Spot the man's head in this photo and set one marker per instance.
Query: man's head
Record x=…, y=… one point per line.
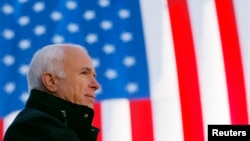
x=66, y=71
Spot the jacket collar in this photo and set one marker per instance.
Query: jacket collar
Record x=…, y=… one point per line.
x=77, y=117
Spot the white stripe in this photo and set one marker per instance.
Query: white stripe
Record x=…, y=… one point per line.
x=162, y=68
x=116, y=125
x=242, y=13
x=9, y=119
x=210, y=63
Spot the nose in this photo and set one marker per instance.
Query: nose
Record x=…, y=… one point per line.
x=95, y=85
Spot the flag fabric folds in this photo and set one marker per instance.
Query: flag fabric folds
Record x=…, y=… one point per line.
x=167, y=68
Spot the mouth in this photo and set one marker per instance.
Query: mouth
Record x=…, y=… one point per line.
x=90, y=96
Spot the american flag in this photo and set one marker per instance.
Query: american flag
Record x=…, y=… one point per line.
x=167, y=68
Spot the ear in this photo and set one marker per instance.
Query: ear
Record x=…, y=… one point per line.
x=49, y=81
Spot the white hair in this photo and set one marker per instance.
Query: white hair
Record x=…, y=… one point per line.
x=47, y=59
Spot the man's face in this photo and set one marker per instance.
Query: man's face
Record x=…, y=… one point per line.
x=79, y=84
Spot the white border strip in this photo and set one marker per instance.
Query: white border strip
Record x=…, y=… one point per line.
x=162, y=68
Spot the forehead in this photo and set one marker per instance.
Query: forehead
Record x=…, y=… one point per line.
x=77, y=57
x=75, y=53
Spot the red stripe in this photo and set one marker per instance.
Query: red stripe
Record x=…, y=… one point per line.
x=1, y=129
x=141, y=120
x=97, y=122
x=187, y=71
x=232, y=61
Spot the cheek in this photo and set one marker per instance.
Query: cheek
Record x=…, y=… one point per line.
x=80, y=95
x=79, y=86
x=82, y=87
x=69, y=86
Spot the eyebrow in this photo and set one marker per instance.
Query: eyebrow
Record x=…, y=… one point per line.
x=88, y=69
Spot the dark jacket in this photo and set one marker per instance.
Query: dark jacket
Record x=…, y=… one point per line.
x=49, y=118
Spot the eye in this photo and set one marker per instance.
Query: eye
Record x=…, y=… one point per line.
x=84, y=72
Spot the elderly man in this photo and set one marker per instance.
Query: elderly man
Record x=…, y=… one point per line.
x=62, y=84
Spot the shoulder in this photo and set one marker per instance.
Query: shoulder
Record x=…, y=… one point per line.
x=31, y=124
x=31, y=114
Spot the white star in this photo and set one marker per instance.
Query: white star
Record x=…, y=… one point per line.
x=58, y=39
x=126, y=36
x=104, y=3
x=24, y=44
x=7, y=9
x=131, y=88
x=108, y=49
x=111, y=74
x=99, y=91
x=72, y=27
x=71, y=5
x=39, y=30
x=8, y=34
x=124, y=14
x=38, y=6
x=24, y=97
x=10, y=87
x=106, y=25
x=24, y=20
x=89, y=15
x=8, y=60
x=56, y=16
x=23, y=69
x=129, y=61
x=91, y=38
x=96, y=62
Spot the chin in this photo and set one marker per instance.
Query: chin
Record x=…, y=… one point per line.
x=91, y=106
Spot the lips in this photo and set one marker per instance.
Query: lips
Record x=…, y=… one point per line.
x=90, y=96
